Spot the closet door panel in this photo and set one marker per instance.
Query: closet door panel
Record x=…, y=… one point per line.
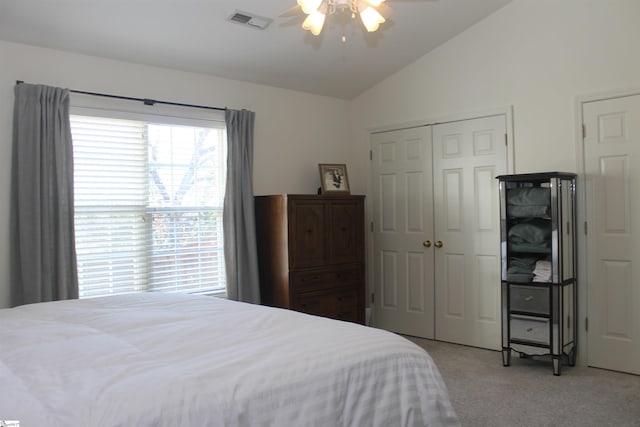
x=453, y=199
x=467, y=156
x=402, y=223
x=454, y=288
x=487, y=261
x=390, y=276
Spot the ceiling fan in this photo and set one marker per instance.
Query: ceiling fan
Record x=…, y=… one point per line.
x=318, y=10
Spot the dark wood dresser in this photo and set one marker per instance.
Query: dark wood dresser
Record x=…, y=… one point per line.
x=311, y=254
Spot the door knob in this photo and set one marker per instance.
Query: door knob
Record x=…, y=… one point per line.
x=438, y=244
x=426, y=243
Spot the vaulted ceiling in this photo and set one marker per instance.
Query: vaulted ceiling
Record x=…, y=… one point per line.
x=196, y=35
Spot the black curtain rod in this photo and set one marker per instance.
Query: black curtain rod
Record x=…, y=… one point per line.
x=145, y=101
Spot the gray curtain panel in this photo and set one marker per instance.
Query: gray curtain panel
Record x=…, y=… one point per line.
x=43, y=257
x=240, y=252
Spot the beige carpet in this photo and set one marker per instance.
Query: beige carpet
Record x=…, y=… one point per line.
x=484, y=393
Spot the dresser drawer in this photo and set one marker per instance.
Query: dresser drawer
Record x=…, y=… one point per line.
x=320, y=279
x=530, y=329
x=529, y=299
x=335, y=303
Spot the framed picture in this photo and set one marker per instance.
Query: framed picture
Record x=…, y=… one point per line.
x=333, y=178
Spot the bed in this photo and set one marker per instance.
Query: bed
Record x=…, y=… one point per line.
x=181, y=360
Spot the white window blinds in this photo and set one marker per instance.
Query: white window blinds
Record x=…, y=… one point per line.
x=148, y=206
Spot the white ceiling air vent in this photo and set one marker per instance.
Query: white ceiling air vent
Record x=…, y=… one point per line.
x=249, y=20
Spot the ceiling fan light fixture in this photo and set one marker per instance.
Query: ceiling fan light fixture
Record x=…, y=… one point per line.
x=309, y=6
x=314, y=22
x=318, y=10
x=371, y=19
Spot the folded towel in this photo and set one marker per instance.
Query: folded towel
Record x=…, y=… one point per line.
x=542, y=272
x=535, y=230
x=516, y=211
x=519, y=277
x=526, y=196
x=521, y=264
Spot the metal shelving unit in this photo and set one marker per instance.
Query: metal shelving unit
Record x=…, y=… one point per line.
x=538, y=271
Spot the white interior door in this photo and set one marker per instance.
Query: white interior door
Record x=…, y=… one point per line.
x=611, y=146
x=403, y=221
x=467, y=156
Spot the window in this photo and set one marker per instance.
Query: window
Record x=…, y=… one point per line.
x=148, y=204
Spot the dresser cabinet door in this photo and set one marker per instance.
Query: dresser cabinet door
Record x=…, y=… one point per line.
x=346, y=232
x=307, y=233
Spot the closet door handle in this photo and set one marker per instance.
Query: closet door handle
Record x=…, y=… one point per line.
x=426, y=243
x=438, y=244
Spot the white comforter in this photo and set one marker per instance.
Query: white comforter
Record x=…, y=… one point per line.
x=171, y=360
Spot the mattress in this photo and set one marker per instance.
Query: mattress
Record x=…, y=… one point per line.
x=181, y=360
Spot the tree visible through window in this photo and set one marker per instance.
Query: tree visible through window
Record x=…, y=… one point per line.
x=148, y=200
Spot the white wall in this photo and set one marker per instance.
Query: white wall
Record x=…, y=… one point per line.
x=535, y=55
x=293, y=132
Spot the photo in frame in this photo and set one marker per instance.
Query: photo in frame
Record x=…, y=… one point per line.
x=333, y=178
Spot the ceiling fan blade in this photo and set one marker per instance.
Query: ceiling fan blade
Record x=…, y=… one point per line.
x=384, y=10
x=292, y=11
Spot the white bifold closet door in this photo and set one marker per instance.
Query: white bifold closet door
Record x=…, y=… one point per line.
x=403, y=223
x=436, y=229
